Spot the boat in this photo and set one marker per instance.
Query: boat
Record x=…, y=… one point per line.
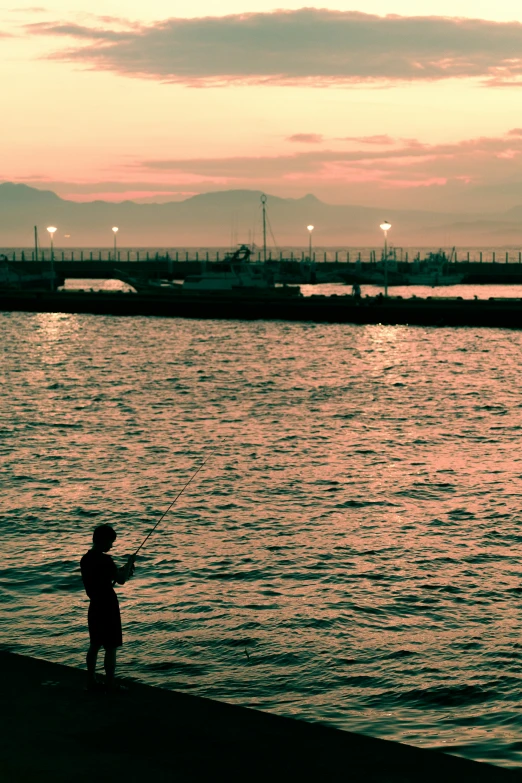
x=378, y=277
x=145, y=285
x=11, y=279
x=432, y=271
x=233, y=276
x=233, y=273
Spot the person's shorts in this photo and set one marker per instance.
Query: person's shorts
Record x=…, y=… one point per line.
x=105, y=623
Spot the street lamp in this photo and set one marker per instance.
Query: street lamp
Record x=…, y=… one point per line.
x=51, y=230
x=115, y=231
x=310, y=229
x=385, y=227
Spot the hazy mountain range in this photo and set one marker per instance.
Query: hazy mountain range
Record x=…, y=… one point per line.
x=225, y=218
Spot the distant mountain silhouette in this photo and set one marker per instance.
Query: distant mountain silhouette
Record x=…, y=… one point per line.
x=227, y=217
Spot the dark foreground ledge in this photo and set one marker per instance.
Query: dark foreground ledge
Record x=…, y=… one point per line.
x=316, y=308
x=55, y=731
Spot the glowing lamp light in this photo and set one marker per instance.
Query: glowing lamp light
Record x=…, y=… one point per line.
x=115, y=231
x=310, y=256
x=385, y=227
x=51, y=230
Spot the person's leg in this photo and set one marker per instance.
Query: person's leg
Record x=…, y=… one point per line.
x=110, y=665
x=92, y=655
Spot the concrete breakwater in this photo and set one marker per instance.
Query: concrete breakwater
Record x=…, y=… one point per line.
x=58, y=732
x=326, y=309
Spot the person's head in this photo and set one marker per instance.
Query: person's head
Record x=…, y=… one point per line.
x=103, y=537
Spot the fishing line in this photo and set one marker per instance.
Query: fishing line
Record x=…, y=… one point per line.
x=182, y=490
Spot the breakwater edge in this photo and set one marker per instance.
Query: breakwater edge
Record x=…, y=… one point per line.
x=287, y=304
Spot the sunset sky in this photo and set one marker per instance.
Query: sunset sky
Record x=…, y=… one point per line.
x=163, y=100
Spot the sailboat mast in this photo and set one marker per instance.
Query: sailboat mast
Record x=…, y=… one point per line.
x=263, y=202
x=36, y=243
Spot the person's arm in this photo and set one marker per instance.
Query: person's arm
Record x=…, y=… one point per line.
x=125, y=572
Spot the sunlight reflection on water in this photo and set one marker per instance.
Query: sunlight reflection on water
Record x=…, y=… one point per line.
x=356, y=530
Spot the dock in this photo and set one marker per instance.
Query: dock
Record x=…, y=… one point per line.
x=430, y=311
x=57, y=732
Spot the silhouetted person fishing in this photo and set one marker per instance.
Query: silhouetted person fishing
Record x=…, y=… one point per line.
x=99, y=573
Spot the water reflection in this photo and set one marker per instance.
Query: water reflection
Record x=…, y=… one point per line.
x=357, y=528
x=54, y=327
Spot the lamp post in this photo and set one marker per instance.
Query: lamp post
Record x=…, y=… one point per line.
x=115, y=231
x=263, y=203
x=310, y=229
x=51, y=230
x=385, y=227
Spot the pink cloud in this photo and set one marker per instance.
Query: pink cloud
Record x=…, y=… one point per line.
x=484, y=171
x=35, y=9
x=139, y=195
x=75, y=31
x=306, y=138
x=404, y=184
x=410, y=152
x=485, y=162
x=379, y=140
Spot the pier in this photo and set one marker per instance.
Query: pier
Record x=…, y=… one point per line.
x=480, y=267
x=57, y=732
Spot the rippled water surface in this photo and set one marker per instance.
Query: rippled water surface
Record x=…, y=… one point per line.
x=351, y=552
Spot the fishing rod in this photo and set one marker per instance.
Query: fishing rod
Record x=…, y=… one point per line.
x=182, y=490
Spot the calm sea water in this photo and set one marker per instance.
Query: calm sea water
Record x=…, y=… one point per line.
x=351, y=552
